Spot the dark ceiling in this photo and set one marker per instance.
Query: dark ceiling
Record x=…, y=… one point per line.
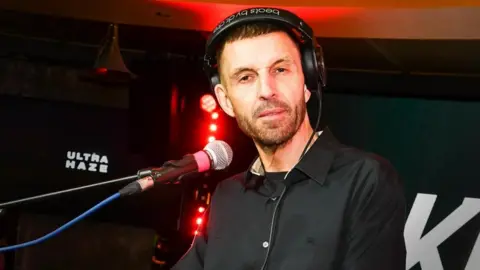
x=22, y=33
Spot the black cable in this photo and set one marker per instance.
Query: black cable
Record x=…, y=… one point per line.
x=317, y=124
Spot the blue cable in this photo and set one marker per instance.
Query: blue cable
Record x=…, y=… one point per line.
x=64, y=227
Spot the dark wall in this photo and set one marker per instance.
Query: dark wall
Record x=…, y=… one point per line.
x=35, y=139
x=36, y=136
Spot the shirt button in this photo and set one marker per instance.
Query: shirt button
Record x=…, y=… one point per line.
x=265, y=244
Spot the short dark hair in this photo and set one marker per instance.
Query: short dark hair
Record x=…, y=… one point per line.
x=244, y=31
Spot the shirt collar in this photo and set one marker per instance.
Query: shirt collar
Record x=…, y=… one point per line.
x=315, y=163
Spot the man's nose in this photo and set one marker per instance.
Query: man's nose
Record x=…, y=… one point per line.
x=267, y=88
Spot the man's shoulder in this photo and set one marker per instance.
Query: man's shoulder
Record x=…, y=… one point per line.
x=372, y=181
x=232, y=183
x=366, y=165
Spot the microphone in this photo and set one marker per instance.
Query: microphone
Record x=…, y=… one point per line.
x=216, y=155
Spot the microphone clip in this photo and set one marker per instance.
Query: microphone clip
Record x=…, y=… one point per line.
x=158, y=173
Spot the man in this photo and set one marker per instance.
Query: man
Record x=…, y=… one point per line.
x=336, y=207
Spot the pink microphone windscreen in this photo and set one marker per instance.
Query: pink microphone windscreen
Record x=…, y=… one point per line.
x=203, y=161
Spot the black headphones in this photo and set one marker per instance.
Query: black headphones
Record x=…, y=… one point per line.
x=311, y=52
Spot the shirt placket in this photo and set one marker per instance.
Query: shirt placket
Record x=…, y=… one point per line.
x=271, y=204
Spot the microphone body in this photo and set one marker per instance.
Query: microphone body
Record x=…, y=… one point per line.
x=190, y=163
x=216, y=155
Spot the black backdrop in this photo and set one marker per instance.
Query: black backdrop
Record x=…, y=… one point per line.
x=36, y=136
x=34, y=139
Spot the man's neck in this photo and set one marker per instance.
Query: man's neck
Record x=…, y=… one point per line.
x=285, y=157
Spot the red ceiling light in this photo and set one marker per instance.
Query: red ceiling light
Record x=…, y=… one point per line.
x=201, y=209
x=101, y=70
x=109, y=65
x=211, y=139
x=208, y=103
x=215, y=115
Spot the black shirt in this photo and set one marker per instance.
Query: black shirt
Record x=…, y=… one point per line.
x=275, y=176
x=338, y=208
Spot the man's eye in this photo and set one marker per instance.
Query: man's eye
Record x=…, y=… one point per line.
x=244, y=78
x=281, y=70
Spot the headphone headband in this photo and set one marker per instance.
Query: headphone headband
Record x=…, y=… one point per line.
x=258, y=14
x=312, y=55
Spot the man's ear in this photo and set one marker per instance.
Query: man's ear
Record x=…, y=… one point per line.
x=223, y=100
x=307, y=94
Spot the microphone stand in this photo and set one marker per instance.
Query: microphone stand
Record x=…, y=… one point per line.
x=169, y=170
x=144, y=179
x=56, y=193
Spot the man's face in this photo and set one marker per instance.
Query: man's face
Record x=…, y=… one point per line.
x=263, y=87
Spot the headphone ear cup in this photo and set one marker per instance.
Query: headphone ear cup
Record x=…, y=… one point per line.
x=322, y=71
x=211, y=73
x=310, y=68
x=314, y=66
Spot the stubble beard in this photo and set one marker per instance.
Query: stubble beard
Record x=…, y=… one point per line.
x=271, y=135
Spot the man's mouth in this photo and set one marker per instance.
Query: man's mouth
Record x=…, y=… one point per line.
x=271, y=112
